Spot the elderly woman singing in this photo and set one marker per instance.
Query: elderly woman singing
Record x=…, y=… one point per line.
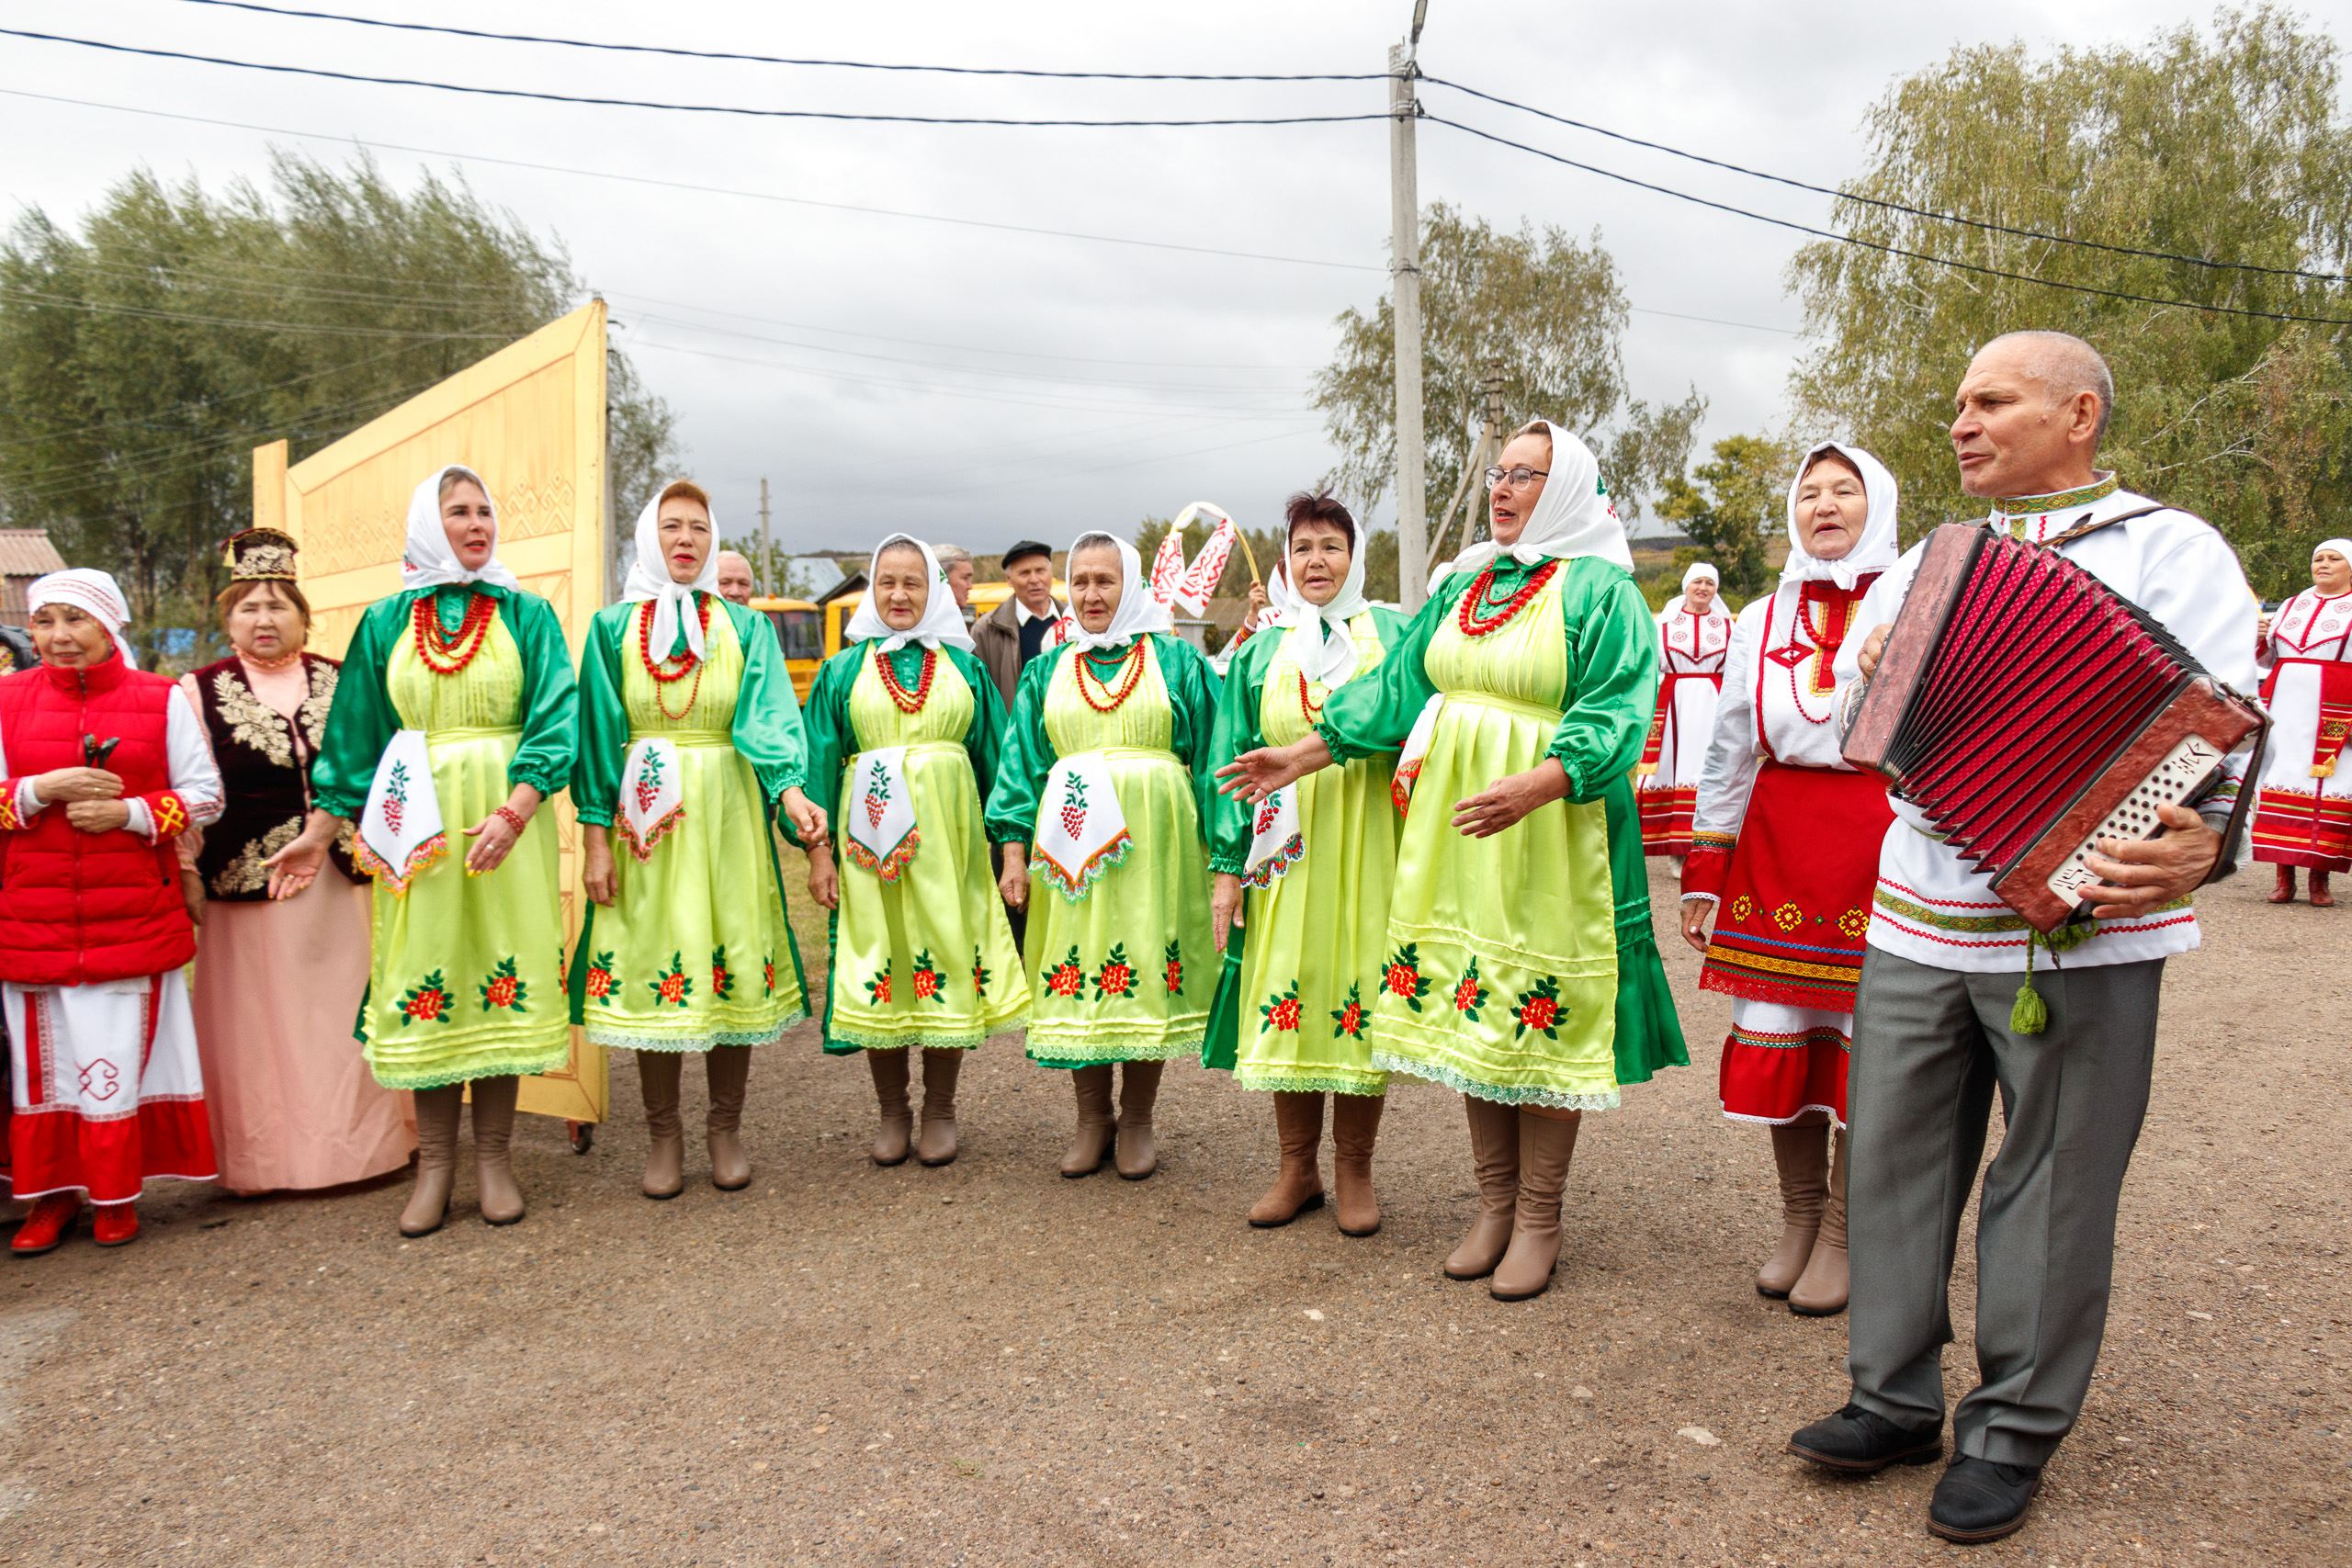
x=1102, y=794
x=1520, y=969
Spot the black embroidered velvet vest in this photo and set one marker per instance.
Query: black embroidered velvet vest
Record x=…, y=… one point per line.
x=265, y=777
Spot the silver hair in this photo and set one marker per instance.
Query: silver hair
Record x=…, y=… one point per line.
x=2066, y=366
x=948, y=555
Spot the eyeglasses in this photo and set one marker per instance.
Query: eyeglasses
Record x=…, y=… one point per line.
x=1517, y=479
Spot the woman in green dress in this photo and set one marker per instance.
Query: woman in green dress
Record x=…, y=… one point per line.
x=1521, y=967
x=1102, y=797
x=690, y=741
x=457, y=710
x=904, y=728
x=1315, y=862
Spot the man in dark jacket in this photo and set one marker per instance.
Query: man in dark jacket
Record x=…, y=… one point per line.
x=1016, y=631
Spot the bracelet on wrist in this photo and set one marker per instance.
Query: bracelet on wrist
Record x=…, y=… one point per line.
x=513, y=819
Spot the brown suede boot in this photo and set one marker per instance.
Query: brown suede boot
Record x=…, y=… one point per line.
x=438, y=1110
x=2284, y=891
x=1494, y=1149
x=890, y=1069
x=1821, y=1291
x=727, y=1068
x=665, y=1143
x=495, y=1185
x=1298, y=1184
x=1802, y=1154
x=1096, y=1129
x=1138, y=1092
x=940, y=1069
x=1547, y=1144
x=2321, y=897
x=1355, y=1127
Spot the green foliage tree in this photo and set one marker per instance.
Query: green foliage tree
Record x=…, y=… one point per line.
x=1552, y=311
x=2232, y=146
x=1735, y=511
x=143, y=358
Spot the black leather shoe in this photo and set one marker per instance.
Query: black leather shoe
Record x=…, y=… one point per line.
x=1857, y=1441
x=1979, y=1500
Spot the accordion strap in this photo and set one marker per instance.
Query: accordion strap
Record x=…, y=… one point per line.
x=2083, y=530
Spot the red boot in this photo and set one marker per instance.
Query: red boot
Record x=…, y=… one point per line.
x=117, y=1225
x=2321, y=897
x=2285, y=892
x=46, y=1226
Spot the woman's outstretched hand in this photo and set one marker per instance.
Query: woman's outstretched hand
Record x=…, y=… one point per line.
x=1508, y=799
x=1254, y=776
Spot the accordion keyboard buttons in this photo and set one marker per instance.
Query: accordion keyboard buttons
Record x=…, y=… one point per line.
x=2183, y=769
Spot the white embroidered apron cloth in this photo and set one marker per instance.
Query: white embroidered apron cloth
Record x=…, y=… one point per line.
x=1275, y=842
x=1081, y=832
x=883, y=834
x=653, y=798
x=399, y=827
x=1417, y=747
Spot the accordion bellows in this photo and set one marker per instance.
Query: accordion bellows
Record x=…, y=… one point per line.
x=2028, y=710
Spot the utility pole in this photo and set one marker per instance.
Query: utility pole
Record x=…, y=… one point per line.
x=1405, y=270
x=766, y=555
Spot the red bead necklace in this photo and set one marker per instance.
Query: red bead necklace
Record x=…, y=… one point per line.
x=1133, y=661
x=1311, y=710
x=1475, y=624
x=447, y=653
x=686, y=663
x=909, y=702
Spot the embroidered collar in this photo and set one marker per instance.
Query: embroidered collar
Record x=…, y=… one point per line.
x=2013, y=509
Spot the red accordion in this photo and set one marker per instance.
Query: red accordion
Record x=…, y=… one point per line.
x=2030, y=710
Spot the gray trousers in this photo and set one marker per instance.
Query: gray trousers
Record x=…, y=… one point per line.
x=1931, y=1045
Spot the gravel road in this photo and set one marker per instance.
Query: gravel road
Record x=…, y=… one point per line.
x=988, y=1364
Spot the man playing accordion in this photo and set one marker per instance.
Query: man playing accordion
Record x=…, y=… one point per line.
x=1941, y=1021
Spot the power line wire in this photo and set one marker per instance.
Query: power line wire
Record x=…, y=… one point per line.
x=780, y=60
x=1890, y=249
x=1871, y=200
x=684, y=108
x=706, y=189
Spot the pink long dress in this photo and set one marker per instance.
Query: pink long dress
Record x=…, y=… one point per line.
x=294, y=1106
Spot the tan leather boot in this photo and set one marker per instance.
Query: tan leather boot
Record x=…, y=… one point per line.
x=495, y=1185
x=1802, y=1155
x=1096, y=1129
x=438, y=1112
x=891, y=1140
x=665, y=1143
x=940, y=1070
x=1821, y=1291
x=1298, y=1184
x=1355, y=1127
x=1494, y=1150
x=728, y=1069
x=1547, y=1144
x=1138, y=1092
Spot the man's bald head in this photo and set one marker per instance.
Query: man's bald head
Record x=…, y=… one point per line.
x=734, y=577
x=2029, y=415
x=2064, y=365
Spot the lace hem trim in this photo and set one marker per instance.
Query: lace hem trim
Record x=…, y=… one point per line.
x=942, y=1039
x=1836, y=1121
x=1502, y=1094
x=623, y=1040
x=1368, y=1083
x=522, y=1068
x=1051, y=1050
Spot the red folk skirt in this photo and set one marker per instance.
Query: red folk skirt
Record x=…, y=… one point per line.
x=1795, y=891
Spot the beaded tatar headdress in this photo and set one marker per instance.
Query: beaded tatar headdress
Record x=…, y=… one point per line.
x=261, y=555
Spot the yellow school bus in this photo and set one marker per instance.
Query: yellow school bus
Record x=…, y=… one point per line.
x=800, y=629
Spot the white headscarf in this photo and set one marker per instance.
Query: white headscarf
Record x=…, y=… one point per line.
x=427, y=561
x=1680, y=602
x=1138, y=611
x=1572, y=518
x=1330, y=621
x=2341, y=547
x=94, y=594
x=648, y=578
x=1874, y=551
x=941, y=621
x=1279, y=598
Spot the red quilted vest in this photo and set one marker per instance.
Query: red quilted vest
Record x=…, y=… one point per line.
x=76, y=906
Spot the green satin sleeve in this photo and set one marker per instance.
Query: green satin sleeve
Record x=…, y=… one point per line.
x=1026, y=757
x=604, y=717
x=1192, y=689
x=1238, y=730
x=1363, y=719
x=550, y=695
x=1613, y=676
x=985, y=740
x=825, y=721
x=769, y=733
x=362, y=721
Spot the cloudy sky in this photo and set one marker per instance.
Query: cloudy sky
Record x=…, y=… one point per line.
x=814, y=321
